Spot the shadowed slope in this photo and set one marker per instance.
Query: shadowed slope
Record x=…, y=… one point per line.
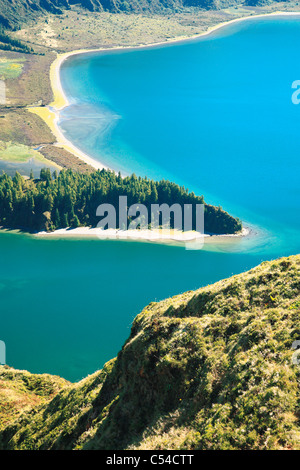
x=210, y=369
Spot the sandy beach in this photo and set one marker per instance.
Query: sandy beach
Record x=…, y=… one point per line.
x=192, y=240
x=50, y=115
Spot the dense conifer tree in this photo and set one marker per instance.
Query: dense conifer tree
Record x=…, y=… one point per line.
x=71, y=199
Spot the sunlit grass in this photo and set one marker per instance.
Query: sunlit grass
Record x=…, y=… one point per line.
x=10, y=68
x=19, y=153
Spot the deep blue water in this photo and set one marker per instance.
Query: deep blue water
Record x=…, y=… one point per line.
x=215, y=115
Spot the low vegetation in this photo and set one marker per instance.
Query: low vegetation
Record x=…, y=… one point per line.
x=210, y=369
x=65, y=159
x=26, y=85
x=20, y=391
x=18, y=153
x=10, y=68
x=77, y=29
x=23, y=128
x=13, y=14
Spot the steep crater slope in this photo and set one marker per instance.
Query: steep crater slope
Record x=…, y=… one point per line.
x=210, y=369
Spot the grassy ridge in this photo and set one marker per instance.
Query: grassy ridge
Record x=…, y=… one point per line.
x=210, y=369
x=20, y=391
x=12, y=13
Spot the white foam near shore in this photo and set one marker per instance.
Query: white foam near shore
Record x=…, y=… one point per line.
x=51, y=113
x=51, y=116
x=160, y=235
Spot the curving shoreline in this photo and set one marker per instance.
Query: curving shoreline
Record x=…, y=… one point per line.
x=192, y=240
x=50, y=115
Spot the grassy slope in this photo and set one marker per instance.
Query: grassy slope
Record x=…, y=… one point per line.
x=20, y=391
x=81, y=29
x=13, y=13
x=210, y=369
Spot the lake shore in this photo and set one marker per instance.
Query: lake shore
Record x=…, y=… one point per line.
x=162, y=236
x=50, y=114
x=192, y=240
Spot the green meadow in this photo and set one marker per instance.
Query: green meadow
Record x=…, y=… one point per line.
x=10, y=68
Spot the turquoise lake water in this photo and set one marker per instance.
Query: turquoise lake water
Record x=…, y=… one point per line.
x=213, y=114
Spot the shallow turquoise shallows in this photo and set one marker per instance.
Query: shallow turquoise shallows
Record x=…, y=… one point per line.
x=215, y=115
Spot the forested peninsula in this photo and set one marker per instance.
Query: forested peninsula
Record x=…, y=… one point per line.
x=70, y=199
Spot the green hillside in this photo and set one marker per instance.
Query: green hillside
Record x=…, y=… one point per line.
x=210, y=369
x=11, y=13
x=14, y=13
x=20, y=391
